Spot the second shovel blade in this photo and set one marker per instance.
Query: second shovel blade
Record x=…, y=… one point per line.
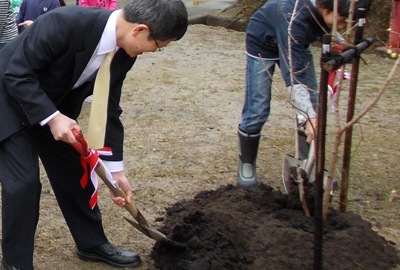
x=288, y=163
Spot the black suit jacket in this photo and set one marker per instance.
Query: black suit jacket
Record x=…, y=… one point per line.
x=39, y=68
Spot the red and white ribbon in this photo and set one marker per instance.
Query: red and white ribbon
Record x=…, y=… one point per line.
x=94, y=162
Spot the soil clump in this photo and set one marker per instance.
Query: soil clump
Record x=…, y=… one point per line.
x=231, y=228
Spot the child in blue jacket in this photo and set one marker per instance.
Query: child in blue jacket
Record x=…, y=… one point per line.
x=30, y=10
x=267, y=45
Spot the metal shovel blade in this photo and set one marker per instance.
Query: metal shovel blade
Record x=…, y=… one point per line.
x=306, y=162
x=138, y=221
x=290, y=162
x=154, y=234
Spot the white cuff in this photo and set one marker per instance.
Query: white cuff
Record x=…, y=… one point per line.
x=114, y=166
x=46, y=120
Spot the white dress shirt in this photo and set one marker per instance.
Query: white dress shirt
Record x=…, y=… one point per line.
x=107, y=43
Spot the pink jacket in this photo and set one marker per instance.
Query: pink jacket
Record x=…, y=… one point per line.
x=107, y=4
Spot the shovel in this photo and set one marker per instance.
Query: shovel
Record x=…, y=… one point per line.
x=138, y=221
x=306, y=162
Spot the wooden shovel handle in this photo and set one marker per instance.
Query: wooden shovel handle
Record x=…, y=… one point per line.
x=130, y=207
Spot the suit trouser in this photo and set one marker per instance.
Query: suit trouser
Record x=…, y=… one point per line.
x=21, y=187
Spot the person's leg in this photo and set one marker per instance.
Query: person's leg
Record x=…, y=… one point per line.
x=21, y=187
x=256, y=106
x=64, y=170
x=255, y=113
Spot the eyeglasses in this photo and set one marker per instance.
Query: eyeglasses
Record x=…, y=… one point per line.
x=160, y=49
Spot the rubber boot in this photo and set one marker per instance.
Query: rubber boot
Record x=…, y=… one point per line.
x=248, y=147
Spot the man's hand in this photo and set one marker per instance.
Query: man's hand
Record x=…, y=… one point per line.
x=26, y=23
x=311, y=129
x=61, y=127
x=124, y=185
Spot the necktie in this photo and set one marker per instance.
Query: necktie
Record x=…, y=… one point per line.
x=98, y=110
x=97, y=124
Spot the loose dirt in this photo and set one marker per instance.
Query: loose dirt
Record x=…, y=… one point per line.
x=230, y=228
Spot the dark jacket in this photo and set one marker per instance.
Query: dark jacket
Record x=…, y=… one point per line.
x=267, y=33
x=39, y=68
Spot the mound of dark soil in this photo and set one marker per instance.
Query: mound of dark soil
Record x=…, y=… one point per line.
x=231, y=228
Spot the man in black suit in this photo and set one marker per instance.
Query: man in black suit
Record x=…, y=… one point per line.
x=45, y=75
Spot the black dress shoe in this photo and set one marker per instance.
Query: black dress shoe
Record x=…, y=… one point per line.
x=5, y=266
x=109, y=254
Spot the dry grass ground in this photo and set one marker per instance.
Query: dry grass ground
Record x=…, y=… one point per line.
x=181, y=110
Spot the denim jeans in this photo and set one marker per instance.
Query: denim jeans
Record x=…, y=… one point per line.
x=257, y=103
x=2, y=45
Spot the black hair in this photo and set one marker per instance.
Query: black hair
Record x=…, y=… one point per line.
x=166, y=19
x=361, y=7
